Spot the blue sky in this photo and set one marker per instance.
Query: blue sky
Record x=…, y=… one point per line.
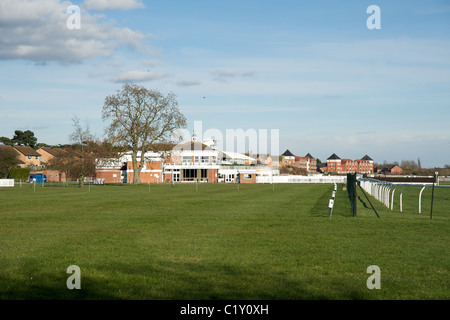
x=311, y=69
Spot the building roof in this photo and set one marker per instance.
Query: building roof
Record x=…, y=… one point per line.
x=192, y=145
x=309, y=156
x=367, y=158
x=11, y=150
x=71, y=152
x=27, y=151
x=387, y=168
x=235, y=155
x=334, y=157
x=4, y=148
x=277, y=158
x=8, y=149
x=254, y=156
x=53, y=152
x=288, y=153
x=263, y=156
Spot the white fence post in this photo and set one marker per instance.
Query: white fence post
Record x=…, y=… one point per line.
x=392, y=198
x=420, y=200
x=401, y=198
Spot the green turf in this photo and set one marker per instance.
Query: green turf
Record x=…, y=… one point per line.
x=258, y=242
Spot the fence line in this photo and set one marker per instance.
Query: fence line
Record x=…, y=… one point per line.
x=381, y=190
x=301, y=179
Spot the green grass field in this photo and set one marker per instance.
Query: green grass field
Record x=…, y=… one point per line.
x=258, y=242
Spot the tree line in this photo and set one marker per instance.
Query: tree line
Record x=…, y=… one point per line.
x=412, y=167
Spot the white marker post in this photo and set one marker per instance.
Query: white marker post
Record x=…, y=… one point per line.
x=330, y=206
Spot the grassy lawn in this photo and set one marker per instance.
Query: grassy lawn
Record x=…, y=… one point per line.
x=258, y=242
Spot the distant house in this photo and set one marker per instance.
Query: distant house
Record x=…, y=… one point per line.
x=278, y=161
x=47, y=156
x=343, y=166
x=396, y=170
x=264, y=159
x=307, y=162
x=289, y=158
x=334, y=164
x=389, y=169
x=48, y=153
x=10, y=150
x=30, y=157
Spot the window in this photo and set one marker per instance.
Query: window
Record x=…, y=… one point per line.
x=214, y=159
x=196, y=159
x=30, y=157
x=36, y=158
x=187, y=159
x=205, y=159
x=190, y=174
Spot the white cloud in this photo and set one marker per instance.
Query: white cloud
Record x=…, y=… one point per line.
x=102, y=5
x=187, y=83
x=226, y=73
x=37, y=31
x=150, y=63
x=138, y=76
x=222, y=75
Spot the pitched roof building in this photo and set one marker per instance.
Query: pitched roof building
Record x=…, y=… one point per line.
x=8, y=150
x=48, y=153
x=343, y=166
x=307, y=162
x=29, y=156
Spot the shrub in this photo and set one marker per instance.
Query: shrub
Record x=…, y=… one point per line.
x=19, y=173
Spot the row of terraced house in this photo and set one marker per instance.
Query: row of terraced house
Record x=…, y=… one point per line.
x=37, y=160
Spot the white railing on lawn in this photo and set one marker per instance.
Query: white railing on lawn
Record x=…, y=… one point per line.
x=6, y=182
x=381, y=190
x=301, y=179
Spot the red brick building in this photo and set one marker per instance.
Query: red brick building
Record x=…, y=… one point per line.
x=307, y=162
x=390, y=169
x=343, y=166
x=121, y=170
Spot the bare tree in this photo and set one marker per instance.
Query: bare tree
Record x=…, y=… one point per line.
x=81, y=135
x=140, y=120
